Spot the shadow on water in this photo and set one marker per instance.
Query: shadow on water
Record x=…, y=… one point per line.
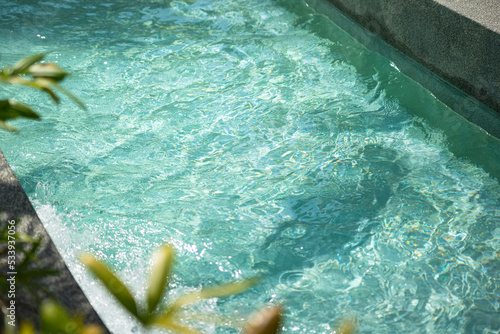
x=331, y=222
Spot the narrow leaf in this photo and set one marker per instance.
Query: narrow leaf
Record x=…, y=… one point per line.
x=23, y=109
x=182, y=329
x=15, y=80
x=347, y=326
x=52, y=95
x=24, y=237
x=92, y=329
x=26, y=328
x=71, y=96
x=19, y=109
x=214, y=292
x=53, y=318
x=3, y=125
x=267, y=321
x=48, y=71
x=22, y=66
x=112, y=283
x=45, y=85
x=159, y=276
x=10, y=109
x=170, y=323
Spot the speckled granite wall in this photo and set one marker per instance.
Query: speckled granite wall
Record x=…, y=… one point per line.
x=458, y=41
x=15, y=205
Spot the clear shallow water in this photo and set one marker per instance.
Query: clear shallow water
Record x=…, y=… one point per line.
x=258, y=139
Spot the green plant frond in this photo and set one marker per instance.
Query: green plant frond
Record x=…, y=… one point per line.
x=171, y=324
x=224, y=290
x=15, y=80
x=4, y=126
x=48, y=71
x=19, y=236
x=26, y=328
x=44, y=77
x=4, y=284
x=42, y=84
x=265, y=321
x=29, y=256
x=55, y=319
x=112, y=284
x=71, y=96
x=10, y=109
x=347, y=326
x=160, y=273
x=92, y=329
x=45, y=85
x=24, y=238
x=24, y=64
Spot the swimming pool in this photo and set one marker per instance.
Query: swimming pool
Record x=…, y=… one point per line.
x=258, y=141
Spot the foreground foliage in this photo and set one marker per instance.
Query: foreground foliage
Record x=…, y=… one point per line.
x=31, y=73
x=173, y=316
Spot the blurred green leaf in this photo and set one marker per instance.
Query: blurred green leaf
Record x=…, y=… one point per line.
x=92, y=329
x=172, y=325
x=47, y=71
x=44, y=77
x=42, y=84
x=224, y=290
x=168, y=318
x=160, y=272
x=267, y=321
x=26, y=328
x=112, y=283
x=71, y=96
x=4, y=125
x=24, y=237
x=54, y=319
x=347, y=326
x=45, y=85
x=10, y=109
x=23, y=65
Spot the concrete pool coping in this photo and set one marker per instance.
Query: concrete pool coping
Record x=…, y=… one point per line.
x=455, y=44
x=476, y=75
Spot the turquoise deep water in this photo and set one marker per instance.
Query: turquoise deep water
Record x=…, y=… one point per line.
x=259, y=139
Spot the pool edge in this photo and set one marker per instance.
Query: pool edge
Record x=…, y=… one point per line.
x=455, y=48
x=15, y=205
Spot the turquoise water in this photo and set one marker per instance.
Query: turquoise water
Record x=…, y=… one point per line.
x=259, y=139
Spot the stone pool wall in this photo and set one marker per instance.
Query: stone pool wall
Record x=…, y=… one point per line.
x=15, y=205
x=459, y=40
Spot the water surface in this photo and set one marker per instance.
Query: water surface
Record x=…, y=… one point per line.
x=259, y=140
